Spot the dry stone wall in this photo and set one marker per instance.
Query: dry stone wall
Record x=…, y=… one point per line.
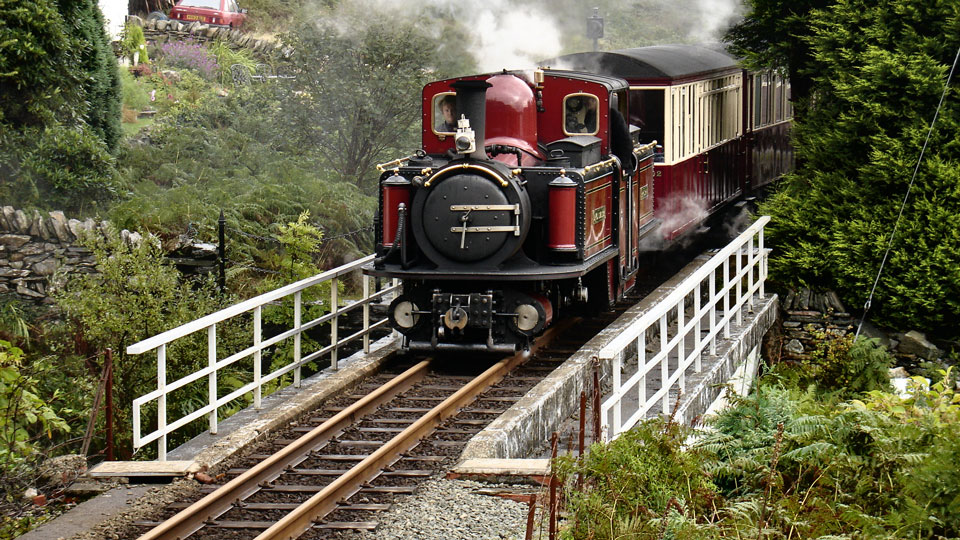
x=167, y=30
x=806, y=313
x=35, y=245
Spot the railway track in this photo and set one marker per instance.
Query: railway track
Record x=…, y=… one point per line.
x=361, y=452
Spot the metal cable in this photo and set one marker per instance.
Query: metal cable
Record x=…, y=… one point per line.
x=886, y=254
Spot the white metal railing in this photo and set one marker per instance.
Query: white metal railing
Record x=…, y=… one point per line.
x=682, y=341
x=209, y=323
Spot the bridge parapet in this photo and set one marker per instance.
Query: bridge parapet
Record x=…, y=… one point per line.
x=254, y=306
x=669, y=341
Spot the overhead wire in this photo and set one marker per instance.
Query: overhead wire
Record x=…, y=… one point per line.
x=903, y=205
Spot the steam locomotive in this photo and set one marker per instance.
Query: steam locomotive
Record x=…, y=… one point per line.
x=536, y=193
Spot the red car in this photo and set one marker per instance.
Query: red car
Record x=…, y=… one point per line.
x=212, y=12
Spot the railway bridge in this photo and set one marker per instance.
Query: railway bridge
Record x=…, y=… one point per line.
x=673, y=353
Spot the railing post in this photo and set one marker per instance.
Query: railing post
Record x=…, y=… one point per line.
x=617, y=368
x=726, y=298
x=739, y=285
x=257, y=357
x=751, y=263
x=664, y=361
x=334, y=309
x=212, y=380
x=297, y=315
x=366, y=314
x=763, y=262
x=162, y=401
x=697, y=307
x=713, y=311
x=681, y=344
x=641, y=364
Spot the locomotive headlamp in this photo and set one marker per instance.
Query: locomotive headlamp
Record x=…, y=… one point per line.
x=465, y=140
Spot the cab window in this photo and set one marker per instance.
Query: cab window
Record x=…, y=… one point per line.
x=445, y=113
x=580, y=114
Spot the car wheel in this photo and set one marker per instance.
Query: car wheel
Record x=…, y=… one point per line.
x=156, y=16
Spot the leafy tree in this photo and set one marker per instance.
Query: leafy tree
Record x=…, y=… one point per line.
x=880, y=71
x=356, y=95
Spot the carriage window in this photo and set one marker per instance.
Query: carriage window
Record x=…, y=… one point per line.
x=580, y=114
x=445, y=113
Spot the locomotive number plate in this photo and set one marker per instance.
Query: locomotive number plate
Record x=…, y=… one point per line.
x=599, y=214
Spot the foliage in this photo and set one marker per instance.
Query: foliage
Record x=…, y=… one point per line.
x=100, y=80
x=228, y=59
x=30, y=421
x=189, y=55
x=641, y=485
x=847, y=367
x=775, y=34
x=37, y=57
x=59, y=93
x=356, y=96
x=879, y=71
x=136, y=294
x=136, y=91
x=133, y=42
x=23, y=414
x=231, y=154
x=57, y=166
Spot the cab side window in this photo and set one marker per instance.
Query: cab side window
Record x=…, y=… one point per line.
x=445, y=113
x=580, y=114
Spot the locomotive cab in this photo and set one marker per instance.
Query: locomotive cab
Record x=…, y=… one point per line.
x=525, y=201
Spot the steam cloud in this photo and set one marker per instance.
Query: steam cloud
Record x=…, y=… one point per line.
x=506, y=34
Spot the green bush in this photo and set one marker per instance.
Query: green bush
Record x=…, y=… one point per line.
x=849, y=367
x=641, y=485
x=136, y=91
x=132, y=42
x=136, y=294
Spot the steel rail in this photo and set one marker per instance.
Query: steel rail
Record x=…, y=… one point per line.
x=300, y=520
x=193, y=518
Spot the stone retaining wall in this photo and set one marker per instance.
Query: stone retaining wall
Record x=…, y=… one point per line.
x=806, y=313
x=33, y=246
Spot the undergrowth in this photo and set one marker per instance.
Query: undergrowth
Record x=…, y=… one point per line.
x=794, y=459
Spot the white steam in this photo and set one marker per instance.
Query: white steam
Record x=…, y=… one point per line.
x=715, y=16
x=503, y=35
x=512, y=38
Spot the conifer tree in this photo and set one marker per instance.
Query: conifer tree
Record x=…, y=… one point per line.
x=879, y=71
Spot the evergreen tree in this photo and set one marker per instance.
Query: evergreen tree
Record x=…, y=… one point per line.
x=775, y=34
x=59, y=104
x=879, y=71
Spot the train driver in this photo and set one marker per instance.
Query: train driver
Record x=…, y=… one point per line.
x=447, y=119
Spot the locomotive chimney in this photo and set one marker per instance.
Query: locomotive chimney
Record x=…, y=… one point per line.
x=472, y=103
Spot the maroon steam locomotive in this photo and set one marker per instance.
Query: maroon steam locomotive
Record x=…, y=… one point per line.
x=536, y=193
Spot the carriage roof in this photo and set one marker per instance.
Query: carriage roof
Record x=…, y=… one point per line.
x=656, y=62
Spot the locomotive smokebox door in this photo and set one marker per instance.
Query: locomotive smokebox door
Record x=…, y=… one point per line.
x=471, y=218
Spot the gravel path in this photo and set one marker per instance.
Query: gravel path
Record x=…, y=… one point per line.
x=452, y=510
